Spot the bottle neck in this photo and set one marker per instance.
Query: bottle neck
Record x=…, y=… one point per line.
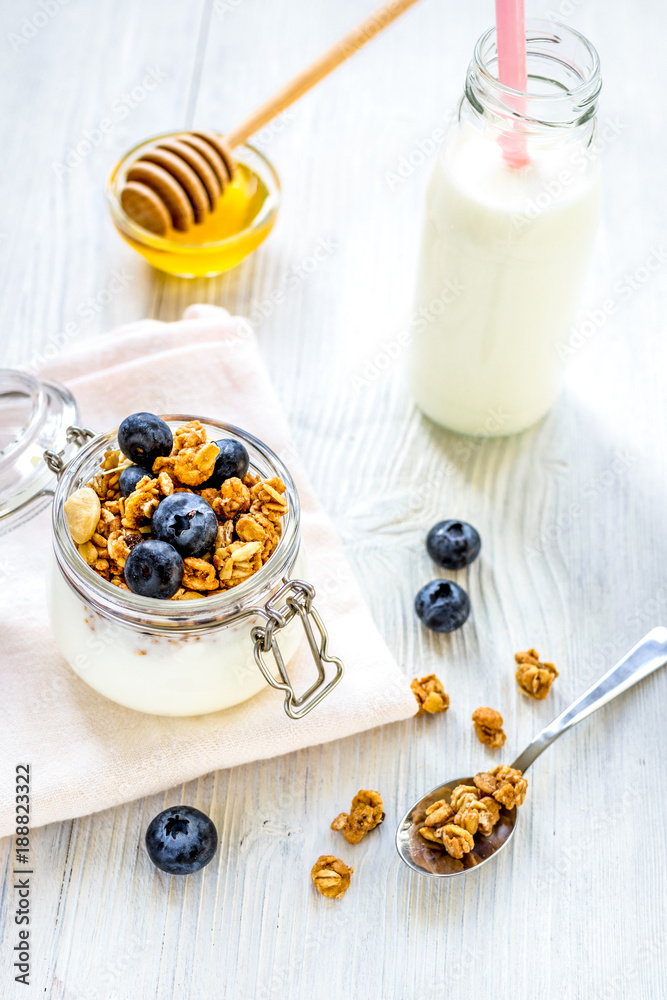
x=561, y=98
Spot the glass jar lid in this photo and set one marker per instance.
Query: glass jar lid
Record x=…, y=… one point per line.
x=37, y=416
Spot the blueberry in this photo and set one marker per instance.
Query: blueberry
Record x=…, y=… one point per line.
x=181, y=840
x=453, y=544
x=187, y=522
x=442, y=605
x=154, y=569
x=143, y=437
x=129, y=478
x=233, y=460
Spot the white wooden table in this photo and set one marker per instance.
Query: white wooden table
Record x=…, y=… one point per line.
x=572, y=515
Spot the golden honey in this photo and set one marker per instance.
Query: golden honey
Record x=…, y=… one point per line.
x=243, y=217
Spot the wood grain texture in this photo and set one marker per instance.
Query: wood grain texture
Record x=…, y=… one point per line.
x=571, y=513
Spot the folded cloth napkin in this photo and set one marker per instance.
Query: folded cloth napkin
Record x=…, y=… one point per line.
x=87, y=753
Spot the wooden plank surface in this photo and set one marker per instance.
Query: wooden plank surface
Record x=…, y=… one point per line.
x=571, y=513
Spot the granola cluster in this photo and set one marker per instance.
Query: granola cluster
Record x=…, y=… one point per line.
x=106, y=526
x=534, y=678
x=472, y=809
x=331, y=876
x=430, y=695
x=489, y=727
x=504, y=783
x=365, y=814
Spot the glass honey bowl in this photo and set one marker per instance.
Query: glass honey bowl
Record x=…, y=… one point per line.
x=242, y=219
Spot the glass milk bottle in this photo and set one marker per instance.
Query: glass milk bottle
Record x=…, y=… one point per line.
x=511, y=213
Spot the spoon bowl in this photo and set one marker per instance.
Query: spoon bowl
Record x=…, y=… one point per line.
x=648, y=655
x=426, y=859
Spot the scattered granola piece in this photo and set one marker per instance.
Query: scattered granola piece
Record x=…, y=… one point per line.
x=194, y=466
x=534, y=678
x=118, y=548
x=430, y=695
x=457, y=841
x=489, y=727
x=365, y=814
x=504, y=783
x=331, y=876
x=432, y=835
x=189, y=435
x=141, y=504
x=250, y=480
x=233, y=498
x=462, y=795
x=489, y=814
x=236, y=562
x=439, y=813
x=82, y=510
x=267, y=498
x=199, y=575
x=165, y=483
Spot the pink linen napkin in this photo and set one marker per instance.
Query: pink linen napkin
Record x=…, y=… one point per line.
x=87, y=753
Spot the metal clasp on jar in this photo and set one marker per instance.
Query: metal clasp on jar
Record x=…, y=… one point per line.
x=75, y=435
x=294, y=598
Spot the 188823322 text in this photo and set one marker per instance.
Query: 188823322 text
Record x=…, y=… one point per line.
x=22, y=872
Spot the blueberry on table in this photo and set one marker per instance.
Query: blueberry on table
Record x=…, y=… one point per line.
x=453, y=544
x=181, y=840
x=186, y=521
x=129, y=478
x=233, y=461
x=154, y=569
x=442, y=606
x=143, y=437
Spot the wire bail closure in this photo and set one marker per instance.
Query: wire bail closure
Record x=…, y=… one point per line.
x=75, y=435
x=294, y=598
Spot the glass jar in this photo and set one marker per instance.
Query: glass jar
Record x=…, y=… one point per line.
x=163, y=657
x=511, y=212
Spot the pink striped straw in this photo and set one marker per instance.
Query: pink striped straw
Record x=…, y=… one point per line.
x=512, y=72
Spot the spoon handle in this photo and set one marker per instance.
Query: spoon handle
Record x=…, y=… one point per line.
x=647, y=656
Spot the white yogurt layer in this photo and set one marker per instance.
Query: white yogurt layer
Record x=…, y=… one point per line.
x=503, y=259
x=161, y=674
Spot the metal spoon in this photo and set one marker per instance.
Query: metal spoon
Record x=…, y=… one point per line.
x=647, y=656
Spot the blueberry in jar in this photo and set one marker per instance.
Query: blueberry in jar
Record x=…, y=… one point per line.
x=453, y=544
x=442, y=605
x=129, y=478
x=233, y=461
x=143, y=437
x=186, y=521
x=181, y=840
x=154, y=569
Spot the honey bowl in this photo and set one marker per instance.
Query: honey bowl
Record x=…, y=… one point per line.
x=242, y=218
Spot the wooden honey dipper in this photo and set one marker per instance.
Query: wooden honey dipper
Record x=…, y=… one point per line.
x=177, y=182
